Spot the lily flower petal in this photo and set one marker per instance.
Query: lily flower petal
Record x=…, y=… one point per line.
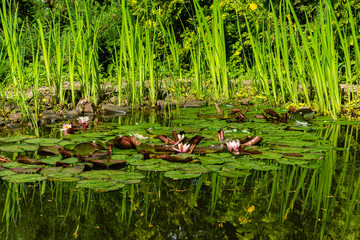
x=182, y=148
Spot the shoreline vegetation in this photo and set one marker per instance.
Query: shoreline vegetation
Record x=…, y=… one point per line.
x=65, y=52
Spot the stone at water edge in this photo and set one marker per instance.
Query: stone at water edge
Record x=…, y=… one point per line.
x=15, y=117
x=114, y=109
x=9, y=107
x=89, y=108
x=194, y=104
x=163, y=104
x=51, y=115
x=245, y=101
x=80, y=105
x=72, y=113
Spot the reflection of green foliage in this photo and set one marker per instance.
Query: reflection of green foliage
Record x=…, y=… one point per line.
x=288, y=202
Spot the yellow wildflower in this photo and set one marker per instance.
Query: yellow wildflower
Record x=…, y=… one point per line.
x=253, y=6
x=251, y=209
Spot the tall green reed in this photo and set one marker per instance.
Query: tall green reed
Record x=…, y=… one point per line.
x=302, y=62
x=59, y=43
x=12, y=35
x=133, y=45
x=85, y=28
x=213, y=38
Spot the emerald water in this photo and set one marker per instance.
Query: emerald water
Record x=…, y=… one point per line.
x=303, y=185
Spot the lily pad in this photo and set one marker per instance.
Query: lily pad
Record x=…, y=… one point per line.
x=85, y=148
x=100, y=185
x=12, y=139
x=51, y=160
x=235, y=173
x=156, y=167
x=62, y=177
x=70, y=160
x=6, y=173
x=28, y=147
x=12, y=165
x=11, y=148
x=43, y=141
x=24, y=178
x=181, y=175
x=210, y=160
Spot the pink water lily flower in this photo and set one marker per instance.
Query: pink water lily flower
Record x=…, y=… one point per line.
x=66, y=127
x=182, y=148
x=233, y=145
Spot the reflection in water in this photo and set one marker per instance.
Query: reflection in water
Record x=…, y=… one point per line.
x=296, y=202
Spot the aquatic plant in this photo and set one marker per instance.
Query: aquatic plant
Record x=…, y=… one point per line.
x=83, y=120
x=233, y=145
x=139, y=136
x=66, y=127
x=182, y=148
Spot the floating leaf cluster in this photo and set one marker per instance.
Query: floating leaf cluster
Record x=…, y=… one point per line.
x=94, y=159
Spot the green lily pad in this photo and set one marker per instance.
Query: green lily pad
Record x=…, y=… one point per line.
x=12, y=139
x=193, y=168
x=50, y=170
x=28, y=147
x=248, y=164
x=11, y=148
x=24, y=178
x=156, y=167
x=213, y=168
x=293, y=161
x=51, y=160
x=12, y=165
x=63, y=177
x=100, y=185
x=210, y=160
x=6, y=173
x=85, y=148
x=43, y=141
x=64, y=143
x=181, y=175
x=70, y=160
x=293, y=143
x=120, y=157
x=235, y=173
x=126, y=176
x=115, y=175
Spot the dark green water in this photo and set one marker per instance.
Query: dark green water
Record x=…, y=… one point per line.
x=314, y=200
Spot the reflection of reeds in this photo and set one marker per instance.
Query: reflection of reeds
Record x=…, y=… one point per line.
x=12, y=207
x=325, y=198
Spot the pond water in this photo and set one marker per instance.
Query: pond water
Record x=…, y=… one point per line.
x=304, y=184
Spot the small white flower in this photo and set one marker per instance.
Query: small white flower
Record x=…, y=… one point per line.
x=83, y=120
x=182, y=148
x=180, y=136
x=233, y=145
x=139, y=136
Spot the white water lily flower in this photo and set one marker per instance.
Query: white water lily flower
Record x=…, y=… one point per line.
x=66, y=127
x=139, y=136
x=182, y=148
x=83, y=120
x=180, y=136
x=233, y=145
